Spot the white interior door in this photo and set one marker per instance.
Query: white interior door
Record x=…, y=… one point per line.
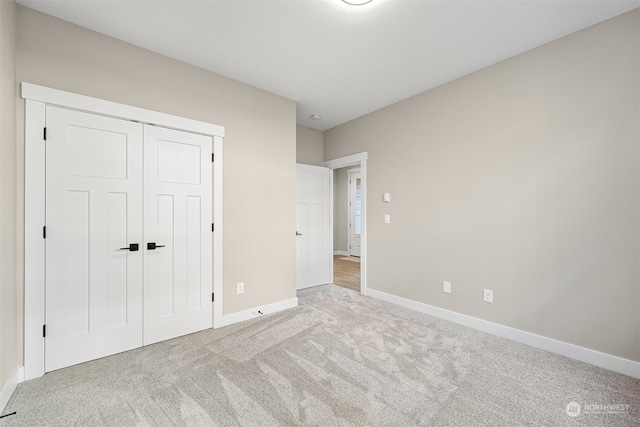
x=313, y=233
x=177, y=220
x=355, y=211
x=93, y=211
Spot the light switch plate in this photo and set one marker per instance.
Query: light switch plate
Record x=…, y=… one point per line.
x=446, y=287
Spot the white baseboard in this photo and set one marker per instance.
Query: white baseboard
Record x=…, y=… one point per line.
x=259, y=311
x=593, y=357
x=10, y=387
x=342, y=253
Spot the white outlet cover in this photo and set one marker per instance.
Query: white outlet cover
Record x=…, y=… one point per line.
x=240, y=288
x=446, y=287
x=488, y=295
x=387, y=219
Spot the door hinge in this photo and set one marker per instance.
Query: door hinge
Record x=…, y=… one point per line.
x=44, y=331
x=44, y=232
x=44, y=134
x=212, y=157
x=212, y=296
x=212, y=227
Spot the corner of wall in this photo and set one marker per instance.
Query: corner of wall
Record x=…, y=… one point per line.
x=309, y=146
x=7, y=391
x=8, y=183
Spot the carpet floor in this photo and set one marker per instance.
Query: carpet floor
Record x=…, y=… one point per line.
x=338, y=359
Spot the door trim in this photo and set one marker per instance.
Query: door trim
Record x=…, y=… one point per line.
x=75, y=101
x=355, y=160
x=36, y=99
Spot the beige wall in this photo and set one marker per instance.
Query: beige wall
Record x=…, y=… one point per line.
x=8, y=280
x=522, y=178
x=259, y=148
x=309, y=146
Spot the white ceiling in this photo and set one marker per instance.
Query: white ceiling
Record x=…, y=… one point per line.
x=336, y=60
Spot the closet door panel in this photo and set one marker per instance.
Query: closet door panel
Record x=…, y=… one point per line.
x=178, y=259
x=93, y=281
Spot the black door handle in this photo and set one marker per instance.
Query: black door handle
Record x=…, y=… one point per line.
x=133, y=247
x=152, y=246
x=298, y=234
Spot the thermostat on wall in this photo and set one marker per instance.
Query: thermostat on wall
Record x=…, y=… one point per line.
x=386, y=197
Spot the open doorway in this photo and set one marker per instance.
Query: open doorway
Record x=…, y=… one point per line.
x=349, y=221
x=346, y=272
x=347, y=226
x=355, y=211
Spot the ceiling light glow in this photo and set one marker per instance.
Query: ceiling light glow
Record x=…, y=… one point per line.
x=356, y=2
x=316, y=116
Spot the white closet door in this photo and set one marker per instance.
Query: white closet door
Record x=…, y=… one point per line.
x=177, y=220
x=93, y=209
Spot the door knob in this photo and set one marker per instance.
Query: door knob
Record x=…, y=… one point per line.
x=132, y=247
x=298, y=234
x=152, y=246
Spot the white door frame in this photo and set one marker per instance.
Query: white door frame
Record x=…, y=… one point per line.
x=352, y=208
x=36, y=99
x=359, y=159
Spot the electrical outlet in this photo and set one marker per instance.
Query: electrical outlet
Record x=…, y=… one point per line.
x=488, y=295
x=446, y=287
x=240, y=288
x=387, y=219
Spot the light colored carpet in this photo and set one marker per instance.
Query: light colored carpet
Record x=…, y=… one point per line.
x=338, y=359
x=351, y=258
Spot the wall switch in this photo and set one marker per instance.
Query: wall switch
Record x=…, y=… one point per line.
x=240, y=288
x=488, y=295
x=386, y=197
x=387, y=219
x=446, y=287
